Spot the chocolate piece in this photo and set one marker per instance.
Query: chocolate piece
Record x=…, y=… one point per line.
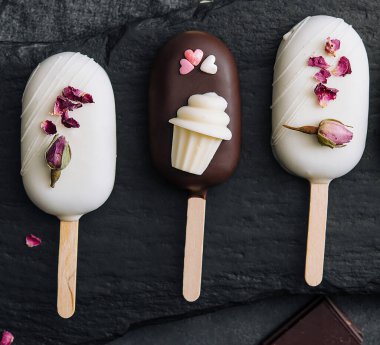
x=169, y=90
x=320, y=323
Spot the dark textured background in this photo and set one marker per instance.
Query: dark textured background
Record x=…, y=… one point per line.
x=131, y=249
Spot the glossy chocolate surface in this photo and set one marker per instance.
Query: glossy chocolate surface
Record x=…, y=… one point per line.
x=320, y=323
x=169, y=90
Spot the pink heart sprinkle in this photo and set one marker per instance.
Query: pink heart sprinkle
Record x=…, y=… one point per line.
x=194, y=57
x=186, y=67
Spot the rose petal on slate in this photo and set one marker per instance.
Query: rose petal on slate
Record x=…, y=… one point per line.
x=7, y=338
x=32, y=241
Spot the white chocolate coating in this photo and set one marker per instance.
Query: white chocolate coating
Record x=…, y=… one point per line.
x=295, y=104
x=205, y=114
x=86, y=183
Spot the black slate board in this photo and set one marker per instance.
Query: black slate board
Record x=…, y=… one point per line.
x=131, y=249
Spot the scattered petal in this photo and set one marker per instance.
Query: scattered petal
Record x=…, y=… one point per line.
x=69, y=122
x=77, y=95
x=322, y=76
x=325, y=94
x=333, y=133
x=332, y=45
x=7, y=338
x=32, y=241
x=343, y=68
x=318, y=61
x=194, y=57
x=48, y=127
x=62, y=103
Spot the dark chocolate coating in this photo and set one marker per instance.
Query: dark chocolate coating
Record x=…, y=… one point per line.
x=320, y=323
x=169, y=90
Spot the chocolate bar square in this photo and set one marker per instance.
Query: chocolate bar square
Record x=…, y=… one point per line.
x=320, y=323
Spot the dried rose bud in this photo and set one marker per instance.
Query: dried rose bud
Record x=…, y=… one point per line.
x=330, y=132
x=322, y=76
x=333, y=133
x=77, y=95
x=332, y=45
x=343, y=68
x=325, y=94
x=7, y=338
x=32, y=241
x=58, y=156
x=318, y=61
x=69, y=122
x=62, y=104
x=48, y=127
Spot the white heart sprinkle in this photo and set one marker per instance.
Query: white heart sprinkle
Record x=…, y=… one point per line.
x=208, y=65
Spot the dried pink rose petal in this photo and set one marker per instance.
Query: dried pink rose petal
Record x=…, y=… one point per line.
x=77, y=95
x=32, y=241
x=318, y=61
x=7, y=338
x=343, y=68
x=48, y=127
x=69, y=122
x=62, y=103
x=332, y=45
x=322, y=76
x=325, y=94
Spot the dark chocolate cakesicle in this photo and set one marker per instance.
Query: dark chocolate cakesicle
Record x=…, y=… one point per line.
x=195, y=124
x=320, y=323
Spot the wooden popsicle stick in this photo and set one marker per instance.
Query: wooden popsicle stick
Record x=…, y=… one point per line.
x=67, y=268
x=315, y=250
x=192, y=268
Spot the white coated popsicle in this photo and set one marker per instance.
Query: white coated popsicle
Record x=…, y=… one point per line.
x=86, y=183
x=295, y=104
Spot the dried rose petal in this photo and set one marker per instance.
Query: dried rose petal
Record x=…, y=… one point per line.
x=69, y=122
x=32, y=241
x=7, y=338
x=62, y=103
x=77, y=95
x=325, y=94
x=343, y=68
x=48, y=127
x=318, y=61
x=322, y=76
x=332, y=45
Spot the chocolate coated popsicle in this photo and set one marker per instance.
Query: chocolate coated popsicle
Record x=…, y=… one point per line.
x=195, y=86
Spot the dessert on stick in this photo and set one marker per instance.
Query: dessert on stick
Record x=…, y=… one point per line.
x=319, y=115
x=68, y=151
x=194, y=124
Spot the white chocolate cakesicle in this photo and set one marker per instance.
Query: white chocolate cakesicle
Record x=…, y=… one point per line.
x=199, y=129
x=87, y=181
x=295, y=104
